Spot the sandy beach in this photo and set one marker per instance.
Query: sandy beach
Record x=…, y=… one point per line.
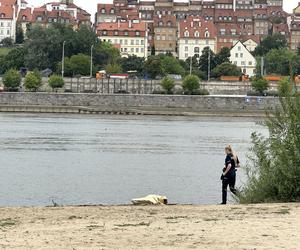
x=266, y=226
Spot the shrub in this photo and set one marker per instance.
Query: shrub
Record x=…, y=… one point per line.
x=56, y=81
x=12, y=80
x=191, y=83
x=113, y=69
x=168, y=85
x=226, y=69
x=32, y=82
x=273, y=170
x=260, y=85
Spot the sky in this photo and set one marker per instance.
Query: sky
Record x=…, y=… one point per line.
x=91, y=5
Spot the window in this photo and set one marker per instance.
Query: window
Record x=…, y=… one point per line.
x=125, y=33
x=112, y=11
x=186, y=41
x=39, y=18
x=142, y=42
x=158, y=37
x=137, y=50
x=2, y=15
x=236, y=55
x=116, y=32
x=250, y=63
x=126, y=41
x=132, y=50
x=241, y=55
x=242, y=63
x=103, y=11
x=137, y=42
x=121, y=41
x=160, y=23
x=222, y=31
x=186, y=48
x=163, y=38
x=132, y=42
x=142, y=50
x=104, y=32
x=239, y=48
x=169, y=23
x=186, y=33
x=24, y=17
x=196, y=50
x=186, y=55
x=137, y=33
x=206, y=34
x=196, y=34
x=125, y=49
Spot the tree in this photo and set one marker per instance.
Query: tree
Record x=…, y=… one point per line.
x=80, y=64
x=226, y=69
x=132, y=63
x=273, y=169
x=278, y=61
x=32, y=82
x=171, y=65
x=14, y=59
x=276, y=41
x=168, y=85
x=19, y=34
x=105, y=53
x=7, y=42
x=113, y=69
x=191, y=84
x=56, y=81
x=153, y=51
x=223, y=56
x=260, y=85
x=12, y=80
x=206, y=56
x=153, y=66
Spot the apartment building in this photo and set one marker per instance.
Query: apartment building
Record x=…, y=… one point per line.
x=8, y=18
x=194, y=34
x=131, y=36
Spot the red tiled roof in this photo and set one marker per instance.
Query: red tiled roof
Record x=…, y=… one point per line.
x=6, y=12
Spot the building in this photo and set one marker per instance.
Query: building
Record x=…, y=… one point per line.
x=241, y=56
x=131, y=37
x=295, y=29
x=8, y=19
x=194, y=34
x=251, y=43
x=165, y=30
x=105, y=13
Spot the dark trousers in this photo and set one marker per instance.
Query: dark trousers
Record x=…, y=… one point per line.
x=228, y=181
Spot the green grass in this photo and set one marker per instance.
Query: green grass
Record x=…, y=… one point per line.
x=4, y=51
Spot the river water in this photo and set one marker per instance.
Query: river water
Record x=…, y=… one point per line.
x=82, y=159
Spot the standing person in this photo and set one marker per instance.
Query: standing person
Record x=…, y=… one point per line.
x=229, y=173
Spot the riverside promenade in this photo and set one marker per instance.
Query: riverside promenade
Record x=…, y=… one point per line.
x=136, y=104
x=265, y=226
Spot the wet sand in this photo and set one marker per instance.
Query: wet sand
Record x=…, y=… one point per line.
x=266, y=226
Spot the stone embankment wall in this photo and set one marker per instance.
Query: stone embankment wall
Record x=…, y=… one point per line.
x=79, y=102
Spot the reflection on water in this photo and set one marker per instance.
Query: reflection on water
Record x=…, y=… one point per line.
x=78, y=159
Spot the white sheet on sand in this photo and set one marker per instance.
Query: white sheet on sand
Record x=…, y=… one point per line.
x=151, y=199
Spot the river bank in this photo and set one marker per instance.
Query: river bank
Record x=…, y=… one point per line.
x=265, y=226
x=130, y=104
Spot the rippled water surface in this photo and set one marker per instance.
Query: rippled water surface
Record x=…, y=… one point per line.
x=80, y=159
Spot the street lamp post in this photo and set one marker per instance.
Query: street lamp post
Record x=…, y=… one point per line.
x=208, y=70
x=63, y=60
x=91, y=72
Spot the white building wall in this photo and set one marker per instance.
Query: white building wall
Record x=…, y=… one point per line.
x=241, y=57
x=129, y=45
x=189, y=47
x=7, y=29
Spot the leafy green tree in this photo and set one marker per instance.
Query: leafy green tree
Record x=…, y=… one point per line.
x=32, y=82
x=278, y=61
x=171, y=65
x=223, y=56
x=12, y=80
x=207, y=54
x=153, y=66
x=7, y=42
x=273, y=169
x=14, y=59
x=113, y=69
x=105, y=53
x=80, y=64
x=168, y=84
x=226, y=69
x=132, y=63
x=191, y=84
x=260, y=85
x=56, y=81
x=276, y=41
x=19, y=34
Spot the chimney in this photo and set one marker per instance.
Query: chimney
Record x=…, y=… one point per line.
x=192, y=24
x=118, y=24
x=129, y=24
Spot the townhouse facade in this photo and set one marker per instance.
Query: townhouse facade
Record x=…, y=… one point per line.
x=131, y=37
x=295, y=29
x=8, y=19
x=194, y=34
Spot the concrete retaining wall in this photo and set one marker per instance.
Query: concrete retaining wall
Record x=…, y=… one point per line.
x=146, y=102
